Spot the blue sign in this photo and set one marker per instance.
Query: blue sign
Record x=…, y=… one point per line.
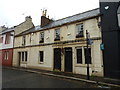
x=102, y=46
x=90, y=41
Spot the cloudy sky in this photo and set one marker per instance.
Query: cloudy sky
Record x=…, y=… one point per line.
x=13, y=12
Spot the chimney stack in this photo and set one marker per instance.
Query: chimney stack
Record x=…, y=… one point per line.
x=2, y=28
x=28, y=18
x=44, y=19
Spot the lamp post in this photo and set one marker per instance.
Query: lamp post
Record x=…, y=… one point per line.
x=87, y=54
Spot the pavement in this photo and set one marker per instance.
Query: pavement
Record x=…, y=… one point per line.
x=103, y=82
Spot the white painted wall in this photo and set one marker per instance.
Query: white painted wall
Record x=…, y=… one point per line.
x=33, y=57
x=68, y=32
x=7, y=46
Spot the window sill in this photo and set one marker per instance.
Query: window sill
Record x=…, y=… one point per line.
x=82, y=65
x=41, y=62
x=23, y=44
x=79, y=36
x=23, y=62
x=7, y=43
x=56, y=39
x=41, y=41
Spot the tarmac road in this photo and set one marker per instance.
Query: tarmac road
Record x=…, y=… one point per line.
x=21, y=79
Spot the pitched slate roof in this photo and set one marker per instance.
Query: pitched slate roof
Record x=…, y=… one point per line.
x=70, y=19
x=7, y=30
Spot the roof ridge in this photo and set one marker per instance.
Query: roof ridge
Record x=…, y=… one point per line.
x=77, y=14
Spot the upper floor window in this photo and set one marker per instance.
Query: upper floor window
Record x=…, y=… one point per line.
x=7, y=38
x=1, y=39
x=41, y=37
x=118, y=13
x=57, y=34
x=6, y=55
x=23, y=40
x=79, y=30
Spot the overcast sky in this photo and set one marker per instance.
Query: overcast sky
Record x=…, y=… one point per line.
x=13, y=12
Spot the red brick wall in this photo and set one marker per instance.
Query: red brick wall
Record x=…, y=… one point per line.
x=0, y=57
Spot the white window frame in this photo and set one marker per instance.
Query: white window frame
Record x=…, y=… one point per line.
x=23, y=40
x=42, y=34
x=41, y=62
x=82, y=55
x=55, y=38
x=21, y=57
x=6, y=55
x=78, y=31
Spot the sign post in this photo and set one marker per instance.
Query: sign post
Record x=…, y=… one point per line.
x=87, y=55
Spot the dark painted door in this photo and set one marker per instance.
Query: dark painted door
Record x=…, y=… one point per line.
x=57, y=59
x=19, y=58
x=68, y=59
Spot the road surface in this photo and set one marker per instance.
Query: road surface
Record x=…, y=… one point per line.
x=21, y=79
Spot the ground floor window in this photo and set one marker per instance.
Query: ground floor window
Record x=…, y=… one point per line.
x=81, y=55
x=87, y=53
x=6, y=55
x=0, y=54
x=23, y=56
x=41, y=56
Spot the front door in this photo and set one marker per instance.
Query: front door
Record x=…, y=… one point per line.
x=57, y=59
x=19, y=58
x=68, y=59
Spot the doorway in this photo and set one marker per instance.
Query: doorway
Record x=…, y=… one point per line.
x=57, y=59
x=68, y=59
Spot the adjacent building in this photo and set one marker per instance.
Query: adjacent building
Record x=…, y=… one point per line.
x=110, y=26
x=6, y=45
x=61, y=44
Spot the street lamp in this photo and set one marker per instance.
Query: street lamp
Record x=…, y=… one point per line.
x=88, y=42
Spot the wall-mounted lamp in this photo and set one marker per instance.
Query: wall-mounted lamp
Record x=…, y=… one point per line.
x=32, y=33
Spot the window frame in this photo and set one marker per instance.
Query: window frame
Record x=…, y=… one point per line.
x=1, y=39
x=41, y=58
x=41, y=37
x=79, y=31
x=7, y=38
x=23, y=40
x=26, y=56
x=57, y=34
x=23, y=56
x=19, y=56
x=6, y=55
x=81, y=61
x=90, y=57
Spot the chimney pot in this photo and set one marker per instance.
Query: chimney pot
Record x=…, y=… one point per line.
x=28, y=18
